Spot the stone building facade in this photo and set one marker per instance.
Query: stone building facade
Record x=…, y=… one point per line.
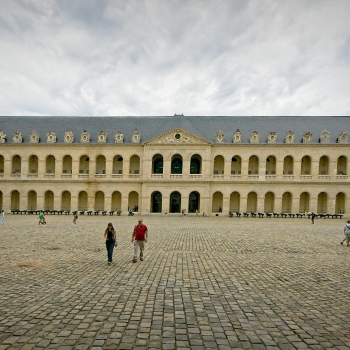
x=166, y=164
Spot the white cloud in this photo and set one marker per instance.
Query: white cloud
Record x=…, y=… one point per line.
x=197, y=57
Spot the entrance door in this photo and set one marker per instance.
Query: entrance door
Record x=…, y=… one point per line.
x=175, y=202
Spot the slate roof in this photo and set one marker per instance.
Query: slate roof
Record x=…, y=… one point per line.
x=150, y=127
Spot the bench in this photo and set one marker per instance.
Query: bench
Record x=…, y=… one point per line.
x=283, y=215
x=119, y=213
x=299, y=215
x=67, y=212
x=104, y=212
x=111, y=212
x=82, y=212
x=253, y=215
x=276, y=215
x=245, y=214
x=96, y=212
x=269, y=215
x=261, y=215
x=89, y=212
x=238, y=214
x=337, y=216
x=291, y=215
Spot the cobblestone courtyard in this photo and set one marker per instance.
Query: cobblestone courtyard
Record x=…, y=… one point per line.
x=206, y=283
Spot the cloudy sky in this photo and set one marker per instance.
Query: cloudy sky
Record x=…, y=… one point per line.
x=160, y=57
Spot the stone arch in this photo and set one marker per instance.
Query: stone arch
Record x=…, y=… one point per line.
x=15, y=200
x=253, y=165
x=252, y=202
x=306, y=165
x=217, y=202
x=84, y=164
x=67, y=165
x=304, y=203
x=322, y=205
x=157, y=164
x=235, y=201
x=219, y=165
x=16, y=164
x=194, y=202
x=269, y=202
x=49, y=200
x=118, y=165
x=288, y=162
x=271, y=165
x=176, y=164
x=99, y=201
x=340, y=203
x=82, y=201
x=236, y=165
x=175, y=202
x=50, y=164
x=33, y=164
x=133, y=202
x=196, y=164
x=32, y=200
x=66, y=200
x=156, y=202
x=101, y=164
x=342, y=165
x=287, y=202
x=324, y=166
x=116, y=201
x=134, y=165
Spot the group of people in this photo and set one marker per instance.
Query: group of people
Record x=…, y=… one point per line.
x=139, y=238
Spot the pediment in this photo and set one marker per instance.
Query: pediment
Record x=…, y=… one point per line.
x=177, y=136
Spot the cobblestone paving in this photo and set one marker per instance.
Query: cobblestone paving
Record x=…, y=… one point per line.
x=206, y=283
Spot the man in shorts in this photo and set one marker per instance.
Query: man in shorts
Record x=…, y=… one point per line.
x=139, y=237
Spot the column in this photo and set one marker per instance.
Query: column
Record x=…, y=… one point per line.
x=185, y=171
x=225, y=205
x=74, y=202
x=7, y=167
x=314, y=169
x=260, y=204
x=58, y=167
x=40, y=199
x=331, y=205
x=108, y=203
x=297, y=170
x=41, y=167
x=125, y=200
x=227, y=170
x=75, y=170
x=278, y=204
x=313, y=204
x=279, y=169
x=57, y=202
x=184, y=203
x=262, y=171
x=109, y=168
x=92, y=168
x=333, y=169
x=126, y=167
x=6, y=202
x=166, y=170
x=295, y=204
x=243, y=204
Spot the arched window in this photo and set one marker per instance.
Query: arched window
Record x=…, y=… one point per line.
x=176, y=165
x=158, y=164
x=156, y=202
x=195, y=164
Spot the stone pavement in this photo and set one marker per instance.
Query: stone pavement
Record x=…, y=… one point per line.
x=206, y=283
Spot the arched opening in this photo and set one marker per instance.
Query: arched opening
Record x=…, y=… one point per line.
x=271, y=165
x=33, y=165
x=306, y=165
x=288, y=165
x=134, y=165
x=1, y=200
x=82, y=201
x=99, y=201
x=175, y=202
x=133, y=201
x=101, y=165
x=16, y=164
x=15, y=200
x=50, y=164
x=67, y=165
x=253, y=165
x=287, y=202
x=2, y=165
x=236, y=166
x=194, y=202
x=32, y=200
x=49, y=200
x=341, y=166
x=235, y=200
x=156, y=202
x=116, y=201
x=66, y=201
x=219, y=165
x=324, y=166
x=322, y=203
x=118, y=165
x=157, y=164
x=340, y=203
x=269, y=202
x=217, y=202
x=176, y=164
x=252, y=202
x=304, y=203
x=195, y=164
x=84, y=164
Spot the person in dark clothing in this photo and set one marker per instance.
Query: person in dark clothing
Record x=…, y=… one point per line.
x=313, y=215
x=111, y=241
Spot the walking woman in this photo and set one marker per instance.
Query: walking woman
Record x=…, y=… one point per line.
x=111, y=241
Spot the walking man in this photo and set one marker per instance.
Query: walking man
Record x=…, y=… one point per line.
x=2, y=217
x=139, y=237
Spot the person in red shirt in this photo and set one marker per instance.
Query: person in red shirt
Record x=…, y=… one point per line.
x=139, y=237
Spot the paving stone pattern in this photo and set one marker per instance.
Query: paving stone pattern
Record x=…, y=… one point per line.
x=206, y=283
